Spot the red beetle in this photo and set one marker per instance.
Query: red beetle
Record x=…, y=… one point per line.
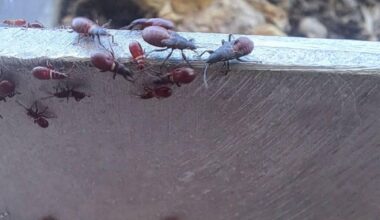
x=158, y=92
x=7, y=88
x=16, y=22
x=47, y=73
x=178, y=76
x=142, y=23
x=106, y=62
x=138, y=54
x=23, y=23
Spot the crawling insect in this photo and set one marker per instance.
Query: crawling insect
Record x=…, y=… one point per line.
x=67, y=92
x=23, y=23
x=106, y=62
x=160, y=37
x=141, y=23
x=47, y=73
x=232, y=49
x=16, y=22
x=178, y=76
x=157, y=92
x=7, y=88
x=138, y=54
x=35, y=24
x=86, y=27
x=39, y=117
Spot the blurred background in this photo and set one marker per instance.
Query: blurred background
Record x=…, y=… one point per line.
x=339, y=19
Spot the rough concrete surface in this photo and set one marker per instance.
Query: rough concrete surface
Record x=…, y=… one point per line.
x=296, y=137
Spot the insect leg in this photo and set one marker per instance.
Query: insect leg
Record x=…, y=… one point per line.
x=166, y=59
x=184, y=57
x=206, y=51
x=157, y=50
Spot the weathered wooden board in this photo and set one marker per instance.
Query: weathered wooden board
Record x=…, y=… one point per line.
x=296, y=137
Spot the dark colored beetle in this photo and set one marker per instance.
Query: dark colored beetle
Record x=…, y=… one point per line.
x=67, y=92
x=106, y=62
x=160, y=37
x=86, y=27
x=158, y=92
x=39, y=117
x=178, y=76
x=232, y=49
x=141, y=23
x=138, y=54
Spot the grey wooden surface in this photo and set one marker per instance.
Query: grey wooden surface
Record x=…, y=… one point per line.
x=296, y=137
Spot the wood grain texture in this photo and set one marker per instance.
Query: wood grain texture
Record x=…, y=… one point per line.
x=260, y=143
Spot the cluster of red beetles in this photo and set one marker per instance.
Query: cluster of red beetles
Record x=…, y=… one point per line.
x=155, y=31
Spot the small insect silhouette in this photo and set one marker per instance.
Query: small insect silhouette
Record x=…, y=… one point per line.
x=67, y=92
x=156, y=92
x=39, y=117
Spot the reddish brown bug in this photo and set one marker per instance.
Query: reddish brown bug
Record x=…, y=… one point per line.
x=178, y=76
x=16, y=22
x=158, y=92
x=142, y=23
x=232, y=49
x=138, y=54
x=7, y=89
x=23, y=23
x=106, y=62
x=46, y=73
x=160, y=37
x=67, y=92
x=85, y=26
x=39, y=117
